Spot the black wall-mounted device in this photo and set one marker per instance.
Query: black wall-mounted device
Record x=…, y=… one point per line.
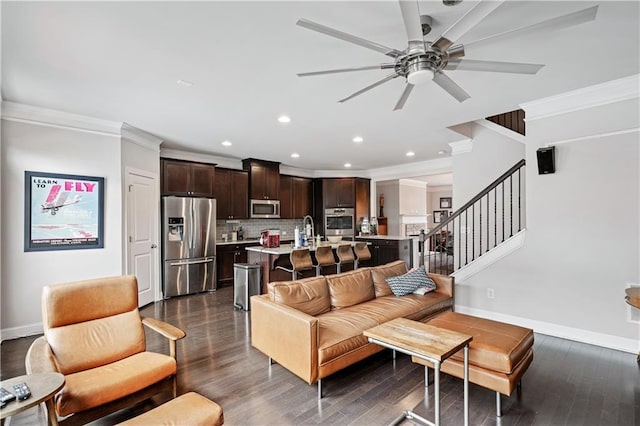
x=546, y=160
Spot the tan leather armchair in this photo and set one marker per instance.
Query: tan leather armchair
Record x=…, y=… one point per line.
x=94, y=336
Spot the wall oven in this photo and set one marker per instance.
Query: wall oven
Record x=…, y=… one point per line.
x=264, y=209
x=339, y=221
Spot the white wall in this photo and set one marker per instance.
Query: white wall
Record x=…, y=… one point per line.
x=27, y=146
x=569, y=277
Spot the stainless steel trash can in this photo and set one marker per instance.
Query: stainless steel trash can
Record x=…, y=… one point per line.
x=246, y=283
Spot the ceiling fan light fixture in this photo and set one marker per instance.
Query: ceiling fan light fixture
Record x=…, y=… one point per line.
x=420, y=77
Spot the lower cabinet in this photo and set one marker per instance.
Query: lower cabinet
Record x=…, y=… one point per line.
x=387, y=250
x=226, y=256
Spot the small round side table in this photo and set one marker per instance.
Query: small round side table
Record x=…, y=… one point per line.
x=43, y=387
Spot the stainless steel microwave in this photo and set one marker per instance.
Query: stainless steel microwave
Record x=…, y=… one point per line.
x=264, y=209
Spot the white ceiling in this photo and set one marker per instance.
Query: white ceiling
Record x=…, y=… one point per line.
x=121, y=60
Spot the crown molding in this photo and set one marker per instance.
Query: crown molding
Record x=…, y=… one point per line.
x=227, y=162
x=413, y=182
x=588, y=97
x=501, y=130
x=411, y=170
x=594, y=136
x=461, y=147
x=12, y=111
x=140, y=137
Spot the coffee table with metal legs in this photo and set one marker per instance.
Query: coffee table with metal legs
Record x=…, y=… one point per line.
x=427, y=342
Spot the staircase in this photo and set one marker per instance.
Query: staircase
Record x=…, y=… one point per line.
x=487, y=227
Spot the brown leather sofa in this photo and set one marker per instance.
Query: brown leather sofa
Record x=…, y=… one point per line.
x=94, y=336
x=313, y=327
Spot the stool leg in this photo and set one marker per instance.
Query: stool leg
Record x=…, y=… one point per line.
x=498, y=409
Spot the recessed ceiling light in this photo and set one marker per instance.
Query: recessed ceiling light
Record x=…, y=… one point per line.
x=295, y=155
x=410, y=154
x=358, y=139
x=226, y=143
x=184, y=83
x=284, y=119
x=347, y=164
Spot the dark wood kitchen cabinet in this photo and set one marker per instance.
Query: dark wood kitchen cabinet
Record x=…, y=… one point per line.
x=295, y=197
x=226, y=256
x=388, y=250
x=264, y=179
x=339, y=192
x=186, y=178
x=232, y=194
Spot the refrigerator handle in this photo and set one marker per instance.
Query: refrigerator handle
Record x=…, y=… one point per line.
x=192, y=262
x=192, y=225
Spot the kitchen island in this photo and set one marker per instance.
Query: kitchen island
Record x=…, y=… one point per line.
x=270, y=258
x=387, y=248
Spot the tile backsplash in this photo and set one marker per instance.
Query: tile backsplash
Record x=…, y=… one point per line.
x=252, y=228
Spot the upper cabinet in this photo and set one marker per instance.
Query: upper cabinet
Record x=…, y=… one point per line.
x=338, y=192
x=295, y=197
x=232, y=194
x=187, y=178
x=264, y=179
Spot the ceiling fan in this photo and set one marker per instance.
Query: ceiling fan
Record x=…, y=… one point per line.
x=423, y=61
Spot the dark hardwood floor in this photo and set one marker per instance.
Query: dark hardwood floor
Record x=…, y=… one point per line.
x=568, y=383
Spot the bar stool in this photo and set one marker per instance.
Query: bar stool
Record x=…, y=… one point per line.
x=324, y=257
x=345, y=255
x=300, y=261
x=362, y=253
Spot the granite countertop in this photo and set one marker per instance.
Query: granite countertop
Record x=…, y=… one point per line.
x=254, y=241
x=286, y=248
x=383, y=237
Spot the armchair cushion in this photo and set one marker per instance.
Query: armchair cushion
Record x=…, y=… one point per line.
x=94, y=387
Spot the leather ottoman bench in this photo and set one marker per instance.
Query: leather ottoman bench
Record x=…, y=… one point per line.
x=499, y=353
x=190, y=409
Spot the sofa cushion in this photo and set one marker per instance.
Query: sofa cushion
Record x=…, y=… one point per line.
x=380, y=273
x=350, y=288
x=411, y=281
x=309, y=295
x=340, y=332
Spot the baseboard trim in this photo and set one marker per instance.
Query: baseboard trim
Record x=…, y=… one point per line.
x=22, y=331
x=576, y=334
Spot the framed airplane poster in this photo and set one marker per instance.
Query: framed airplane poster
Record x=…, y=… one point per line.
x=63, y=212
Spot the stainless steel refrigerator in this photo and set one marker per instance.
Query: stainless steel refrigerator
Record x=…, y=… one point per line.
x=189, y=245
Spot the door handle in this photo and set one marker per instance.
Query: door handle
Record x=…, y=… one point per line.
x=154, y=246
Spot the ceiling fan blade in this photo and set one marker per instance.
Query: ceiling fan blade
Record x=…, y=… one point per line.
x=465, y=23
x=376, y=84
x=450, y=86
x=559, y=22
x=339, y=70
x=403, y=98
x=493, y=66
x=411, y=18
x=348, y=37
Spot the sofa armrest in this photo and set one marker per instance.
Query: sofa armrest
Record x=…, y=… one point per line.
x=444, y=283
x=39, y=358
x=288, y=336
x=167, y=330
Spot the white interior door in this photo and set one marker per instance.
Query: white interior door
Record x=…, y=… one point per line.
x=142, y=216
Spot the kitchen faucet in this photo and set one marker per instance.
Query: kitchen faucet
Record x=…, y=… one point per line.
x=304, y=227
